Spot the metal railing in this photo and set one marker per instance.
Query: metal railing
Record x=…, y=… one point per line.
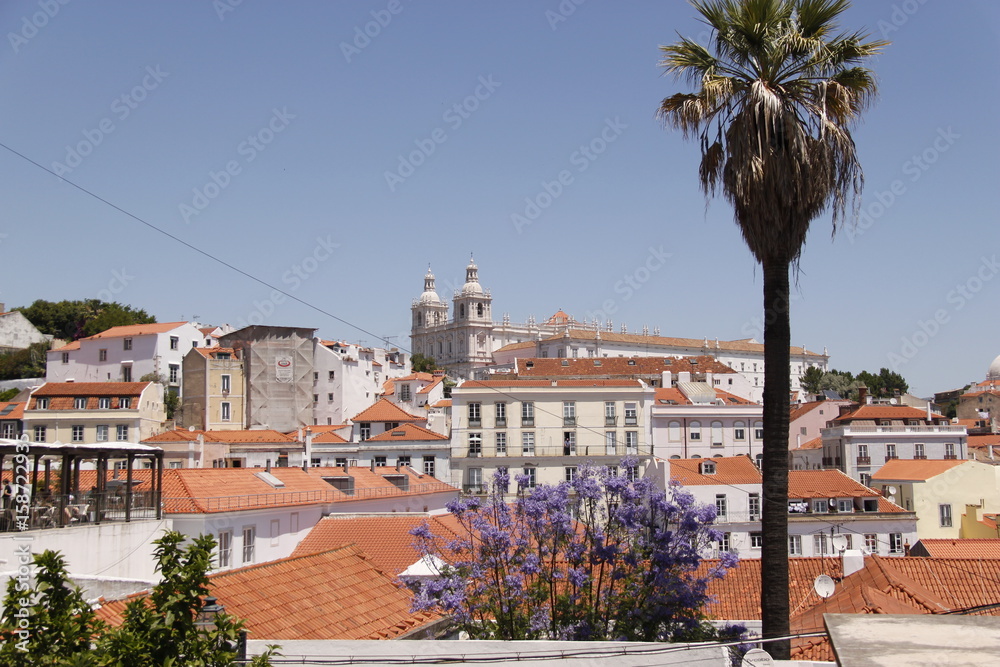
x=57, y=511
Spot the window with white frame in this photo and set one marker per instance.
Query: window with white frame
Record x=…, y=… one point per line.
x=724, y=543
x=249, y=544
x=895, y=543
x=474, y=477
x=500, y=441
x=609, y=413
x=403, y=460
x=694, y=430
x=102, y=355
x=125, y=403
x=127, y=345
x=175, y=373
x=871, y=543
x=380, y=461
x=949, y=450
x=674, y=431
x=758, y=430
x=890, y=451
x=429, y=466
x=944, y=512
x=821, y=545
x=227, y=383
x=631, y=414
x=756, y=540
x=225, y=548
x=500, y=413
x=42, y=403
x=739, y=431
x=632, y=473
x=364, y=430
x=865, y=478
x=528, y=443
x=918, y=451
x=275, y=532
x=529, y=472
x=126, y=373
x=475, y=444
x=631, y=442
x=102, y=433
x=716, y=434
x=77, y=433
x=754, y=506
x=845, y=505
x=569, y=413
x=475, y=414
x=122, y=432
x=569, y=473
x=104, y=403
x=404, y=393
x=721, y=506
x=174, y=342
x=820, y=506
x=610, y=443
x=80, y=403
x=226, y=411
x=569, y=443
x=794, y=545
x=527, y=414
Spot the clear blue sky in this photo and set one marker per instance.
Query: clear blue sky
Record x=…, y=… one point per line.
x=308, y=118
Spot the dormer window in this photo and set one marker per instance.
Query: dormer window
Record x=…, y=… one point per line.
x=708, y=467
x=41, y=403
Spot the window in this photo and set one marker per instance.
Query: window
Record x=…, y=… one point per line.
x=871, y=543
x=863, y=454
x=41, y=403
x=126, y=343
x=674, y=431
x=820, y=544
x=758, y=430
x=949, y=450
x=122, y=432
x=821, y=506
x=569, y=443
x=39, y=434
x=866, y=478
x=895, y=543
x=890, y=452
x=632, y=473
x=631, y=414
x=226, y=411
x=500, y=412
x=174, y=342
x=570, y=473
x=756, y=540
x=315, y=398
x=569, y=413
x=125, y=402
x=80, y=403
x=740, y=431
x=475, y=416
x=717, y=434
x=365, y=430
x=102, y=433
x=380, y=462
x=944, y=511
x=610, y=445
x=794, y=545
x=501, y=443
x=404, y=393
x=65, y=357
x=529, y=472
x=249, y=543
x=429, y=465
x=475, y=480
x=724, y=544
x=754, y=504
x=475, y=444
x=528, y=444
x=631, y=442
x=275, y=532
x=104, y=403
x=721, y=506
x=175, y=373
x=527, y=414
x=126, y=373
x=695, y=433
x=845, y=505
x=609, y=413
x=78, y=434
x=102, y=355
x=918, y=451
x=403, y=461
x=329, y=396
x=225, y=547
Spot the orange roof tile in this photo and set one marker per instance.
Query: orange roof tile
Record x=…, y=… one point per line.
x=984, y=440
x=137, y=330
x=430, y=387
x=671, y=396
x=443, y=403
x=616, y=366
x=386, y=539
x=16, y=410
x=732, y=399
x=68, y=347
x=91, y=389
x=904, y=412
x=728, y=470
x=797, y=411
x=406, y=433
x=804, y=484
x=512, y=382
x=328, y=438
x=959, y=548
x=914, y=470
x=214, y=352
x=244, y=436
x=815, y=443
x=337, y=594
x=385, y=411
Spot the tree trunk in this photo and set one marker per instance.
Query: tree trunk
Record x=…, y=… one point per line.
x=774, y=524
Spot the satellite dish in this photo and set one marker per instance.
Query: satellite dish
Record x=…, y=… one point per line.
x=839, y=542
x=191, y=428
x=892, y=490
x=757, y=657
x=891, y=498
x=824, y=586
x=893, y=401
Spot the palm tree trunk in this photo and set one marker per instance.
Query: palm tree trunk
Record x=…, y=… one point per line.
x=774, y=523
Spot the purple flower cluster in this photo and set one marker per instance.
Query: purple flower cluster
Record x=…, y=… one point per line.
x=599, y=558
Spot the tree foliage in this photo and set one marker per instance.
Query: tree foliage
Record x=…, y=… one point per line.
x=27, y=363
x=9, y=394
x=162, y=629
x=597, y=558
x=422, y=364
x=72, y=320
x=884, y=384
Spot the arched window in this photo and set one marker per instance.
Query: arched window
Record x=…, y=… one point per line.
x=461, y=311
x=695, y=430
x=479, y=309
x=717, y=434
x=420, y=320
x=674, y=431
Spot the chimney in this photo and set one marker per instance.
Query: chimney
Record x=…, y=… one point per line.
x=345, y=466
x=852, y=560
x=307, y=451
x=684, y=376
x=709, y=377
x=666, y=379
x=373, y=464
x=863, y=395
x=906, y=548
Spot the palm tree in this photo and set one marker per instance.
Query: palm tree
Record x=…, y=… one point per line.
x=774, y=95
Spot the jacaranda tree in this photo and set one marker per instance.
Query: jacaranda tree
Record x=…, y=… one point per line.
x=601, y=557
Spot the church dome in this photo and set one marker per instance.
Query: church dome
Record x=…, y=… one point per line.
x=994, y=372
x=429, y=296
x=472, y=286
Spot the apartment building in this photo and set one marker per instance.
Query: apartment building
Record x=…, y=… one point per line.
x=94, y=412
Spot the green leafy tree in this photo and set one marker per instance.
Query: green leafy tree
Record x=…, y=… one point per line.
x=775, y=93
x=811, y=380
x=27, y=363
x=9, y=394
x=422, y=363
x=50, y=623
x=72, y=320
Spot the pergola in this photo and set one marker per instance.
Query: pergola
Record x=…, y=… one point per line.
x=21, y=459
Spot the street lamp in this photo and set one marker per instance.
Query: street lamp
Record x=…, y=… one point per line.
x=205, y=622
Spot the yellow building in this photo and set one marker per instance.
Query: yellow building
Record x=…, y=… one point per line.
x=213, y=389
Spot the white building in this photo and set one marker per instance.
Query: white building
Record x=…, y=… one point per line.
x=860, y=441
x=827, y=511
x=347, y=378
x=408, y=444
x=545, y=429
x=126, y=354
x=17, y=333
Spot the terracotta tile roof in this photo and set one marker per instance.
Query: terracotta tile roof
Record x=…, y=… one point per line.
x=516, y=346
x=337, y=594
x=984, y=440
x=617, y=366
x=239, y=436
x=406, y=433
x=904, y=412
x=815, y=443
x=137, y=330
x=970, y=548
x=443, y=403
x=16, y=410
x=511, y=382
x=388, y=388
x=742, y=345
x=804, y=484
x=728, y=470
x=214, y=352
x=385, y=411
x=174, y=435
x=68, y=347
x=430, y=387
x=207, y=331
x=63, y=395
x=670, y=396
x=914, y=470
x=732, y=399
x=327, y=438
x=797, y=411
x=386, y=539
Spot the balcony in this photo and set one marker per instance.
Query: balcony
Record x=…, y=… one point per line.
x=501, y=422
x=569, y=421
x=475, y=422
x=631, y=420
x=920, y=456
x=475, y=453
x=610, y=420
x=864, y=460
x=569, y=450
x=889, y=457
x=474, y=489
x=951, y=457
x=527, y=422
